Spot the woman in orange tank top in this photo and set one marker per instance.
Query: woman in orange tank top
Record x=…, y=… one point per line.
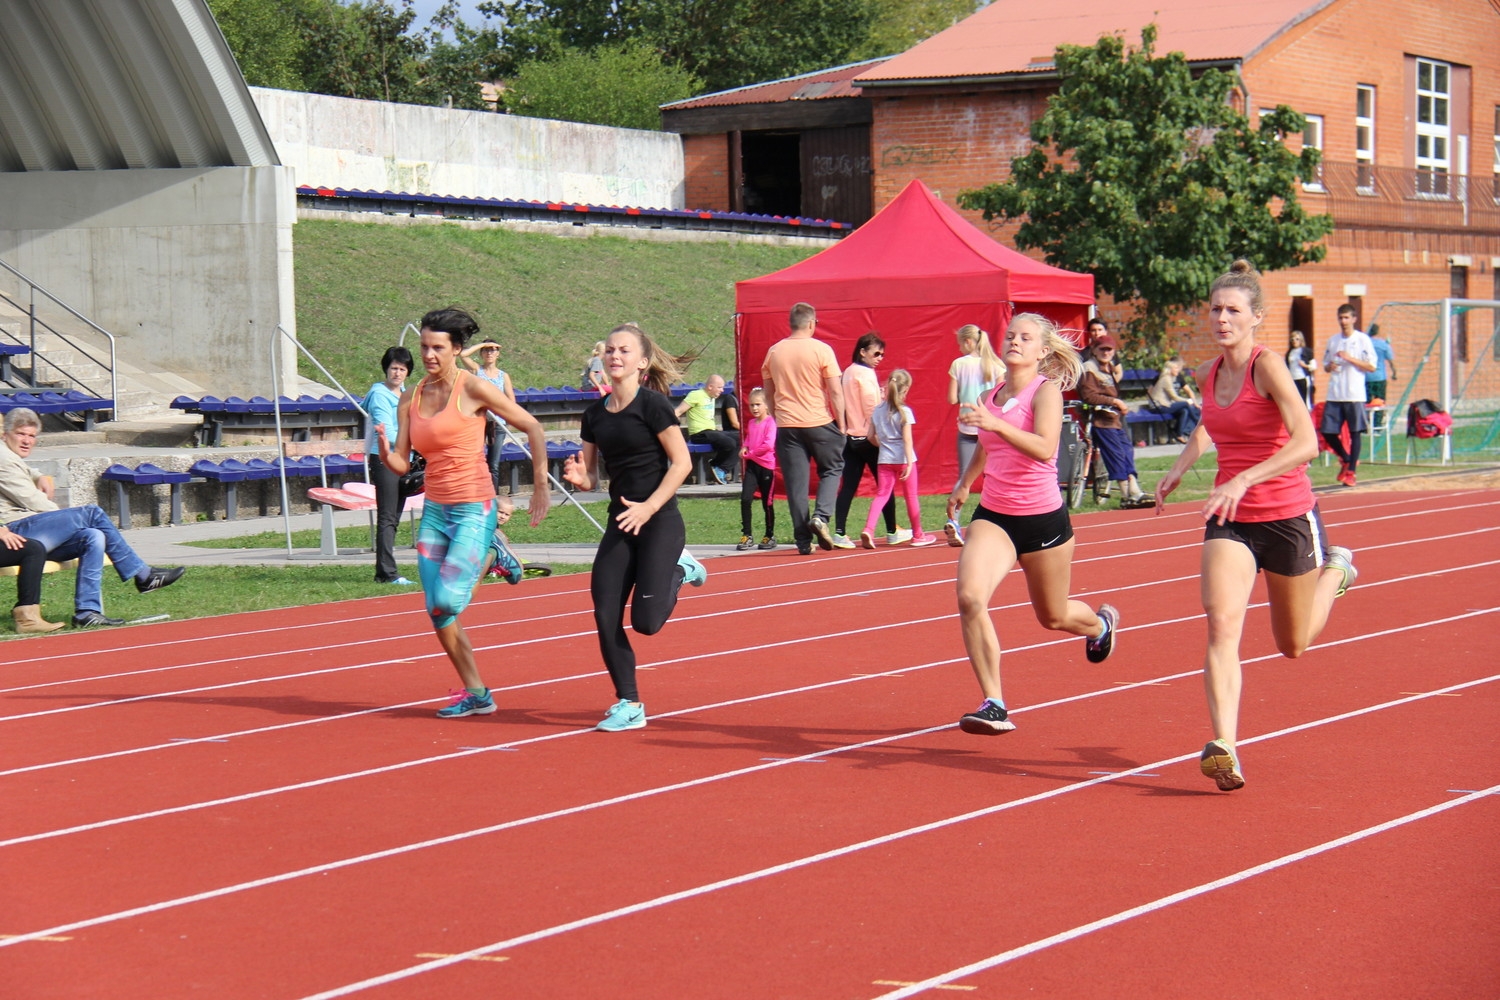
x=443, y=418
x=1261, y=514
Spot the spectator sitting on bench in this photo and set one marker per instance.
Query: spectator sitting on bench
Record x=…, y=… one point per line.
x=83, y=533
x=702, y=428
x=30, y=560
x=1166, y=400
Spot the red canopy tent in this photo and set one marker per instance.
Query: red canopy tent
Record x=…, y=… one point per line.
x=914, y=273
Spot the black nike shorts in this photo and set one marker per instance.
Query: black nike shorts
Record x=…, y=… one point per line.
x=1030, y=532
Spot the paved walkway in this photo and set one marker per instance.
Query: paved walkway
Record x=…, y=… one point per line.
x=168, y=545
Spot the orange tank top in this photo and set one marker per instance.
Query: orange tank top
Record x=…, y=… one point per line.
x=453, y=444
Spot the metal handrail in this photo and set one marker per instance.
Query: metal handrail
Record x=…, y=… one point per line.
x=114, y=386
x=276, y=335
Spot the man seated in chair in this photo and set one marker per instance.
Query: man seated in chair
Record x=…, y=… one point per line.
x=82, y=533
x=702, y=427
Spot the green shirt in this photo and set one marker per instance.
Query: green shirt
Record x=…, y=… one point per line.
x=700, y=412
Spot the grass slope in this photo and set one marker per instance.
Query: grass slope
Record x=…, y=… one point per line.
x=546, y=299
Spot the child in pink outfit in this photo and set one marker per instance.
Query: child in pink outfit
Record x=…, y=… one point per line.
x=890, y=430
x=759, y=453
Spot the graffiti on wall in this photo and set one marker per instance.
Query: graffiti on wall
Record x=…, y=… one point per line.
x=921, y=156
x=840, y=166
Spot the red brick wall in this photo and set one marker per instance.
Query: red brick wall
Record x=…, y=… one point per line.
x=960, y=141
x=706, y=165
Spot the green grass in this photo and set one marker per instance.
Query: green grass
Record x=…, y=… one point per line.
x=546, y=299
x=216, y=590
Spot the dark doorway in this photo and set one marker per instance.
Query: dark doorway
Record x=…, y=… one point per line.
x=1302, y=319
x=773, y=172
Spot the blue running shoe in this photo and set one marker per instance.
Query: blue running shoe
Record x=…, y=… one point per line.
x=623, y=715
x=467, y=703
x=692, y=570
x=1098, y=648
x=506, y=563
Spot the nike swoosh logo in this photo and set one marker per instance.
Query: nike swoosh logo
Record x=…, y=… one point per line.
x=1053, y=542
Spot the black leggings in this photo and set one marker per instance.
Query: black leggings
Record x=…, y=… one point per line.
x=757, y=477
x=859, y=455
x=32, y=558
x=646, y=564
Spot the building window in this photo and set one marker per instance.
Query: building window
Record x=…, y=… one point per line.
x=1434, y=127
x=1497, y=155
x=1312, y=138
x=1364, y=139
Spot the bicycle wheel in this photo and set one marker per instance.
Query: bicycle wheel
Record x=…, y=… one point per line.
x=1081, y=474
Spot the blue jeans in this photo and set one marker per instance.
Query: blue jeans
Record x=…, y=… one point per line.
x=88, y=535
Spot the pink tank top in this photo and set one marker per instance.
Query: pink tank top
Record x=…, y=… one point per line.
x=1247, y=432
x=453, y=444
x=1015, y=483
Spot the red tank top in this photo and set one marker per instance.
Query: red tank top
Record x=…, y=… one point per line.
x=453, y=444
x=1247, y=432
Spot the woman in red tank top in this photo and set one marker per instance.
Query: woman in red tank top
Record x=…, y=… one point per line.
x=443, y=418
x=1261, y=514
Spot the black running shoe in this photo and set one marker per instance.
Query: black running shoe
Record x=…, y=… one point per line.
x=1098, y=650
x=94, y=619
x=158, y=577
x=988, y=719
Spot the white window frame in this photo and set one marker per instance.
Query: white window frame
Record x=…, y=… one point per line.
x=1312, y=138
x=1364, y=139
x=1434, y=138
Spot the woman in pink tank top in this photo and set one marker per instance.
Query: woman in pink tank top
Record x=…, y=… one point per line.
x=1022, y=516
x=1261, y=514
x=443, y=418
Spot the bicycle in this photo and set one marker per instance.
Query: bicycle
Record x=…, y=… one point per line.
x=1086, y=470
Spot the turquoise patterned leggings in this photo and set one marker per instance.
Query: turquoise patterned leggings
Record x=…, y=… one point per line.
x=452, y=545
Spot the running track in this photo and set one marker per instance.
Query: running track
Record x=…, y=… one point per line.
x=263, y=805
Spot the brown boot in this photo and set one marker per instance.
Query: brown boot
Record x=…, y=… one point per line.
x=29, y=620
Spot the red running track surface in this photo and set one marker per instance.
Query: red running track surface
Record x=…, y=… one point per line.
x=263, y=805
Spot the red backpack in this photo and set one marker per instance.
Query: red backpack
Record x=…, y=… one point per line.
x=1425, y=419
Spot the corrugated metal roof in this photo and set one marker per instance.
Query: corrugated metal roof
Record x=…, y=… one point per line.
x=820, y=85
x=1019, y=36
x=121, y=84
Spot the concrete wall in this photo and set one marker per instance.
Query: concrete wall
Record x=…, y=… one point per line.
x=191, y=269
x=374, y=146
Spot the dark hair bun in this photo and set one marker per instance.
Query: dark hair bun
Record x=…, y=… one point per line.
x=1242, y=266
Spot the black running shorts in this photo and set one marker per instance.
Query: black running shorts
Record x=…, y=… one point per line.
x=1030, y=532
x=1288, y=547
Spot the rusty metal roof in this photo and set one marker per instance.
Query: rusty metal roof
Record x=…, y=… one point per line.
x=1013, y=37
x=820, y=85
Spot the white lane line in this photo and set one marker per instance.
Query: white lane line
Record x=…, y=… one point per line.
x=301, y=629
x=1145, y=909
x=697, y=655
x=737, y=880
x=714, y=886
x=583, y=633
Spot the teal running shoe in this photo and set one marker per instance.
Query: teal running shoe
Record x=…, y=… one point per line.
x=506, y=563
x=623, y=715
x=692, y=570
x=467, y=703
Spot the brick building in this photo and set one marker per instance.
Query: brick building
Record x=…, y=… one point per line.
x=1403, y=98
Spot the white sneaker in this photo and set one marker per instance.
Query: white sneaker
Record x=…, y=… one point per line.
x=901, y=535
x=843, y=542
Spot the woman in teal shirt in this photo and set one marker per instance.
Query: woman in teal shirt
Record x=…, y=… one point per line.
x=381, y=404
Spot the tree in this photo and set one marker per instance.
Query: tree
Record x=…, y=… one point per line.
x=897, y=25
x=725, y=43
x=263, y=36
x=622, y=86
x=362, y=50
x=1149, y=178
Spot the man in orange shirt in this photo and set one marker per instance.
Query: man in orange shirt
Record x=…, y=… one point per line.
x=801, y=378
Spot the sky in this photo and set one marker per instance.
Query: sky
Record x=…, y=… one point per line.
x=425, y=8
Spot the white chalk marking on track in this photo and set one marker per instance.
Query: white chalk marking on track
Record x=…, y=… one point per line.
x=936, y=982
x=708, y=779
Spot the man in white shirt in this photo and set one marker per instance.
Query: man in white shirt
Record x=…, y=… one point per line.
x=1347, y=358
